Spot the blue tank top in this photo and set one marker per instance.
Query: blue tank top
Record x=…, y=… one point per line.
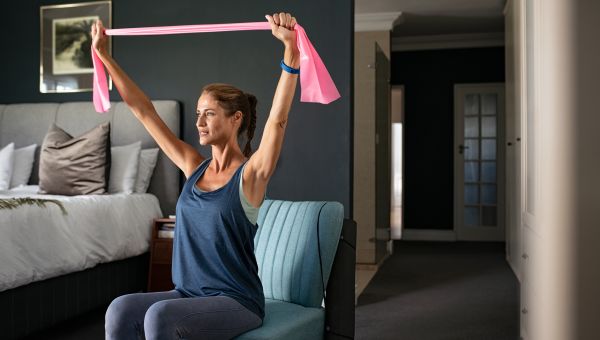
x=213, y=247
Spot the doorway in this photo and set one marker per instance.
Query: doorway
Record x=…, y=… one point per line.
x=397, y=161
x=479, y=162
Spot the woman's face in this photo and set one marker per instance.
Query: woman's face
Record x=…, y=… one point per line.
x=214, y=127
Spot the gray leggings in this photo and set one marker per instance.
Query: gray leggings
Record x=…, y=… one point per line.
x=170, y=315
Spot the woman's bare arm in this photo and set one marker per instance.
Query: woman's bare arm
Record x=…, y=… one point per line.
x=262, y=163
x=182, y=154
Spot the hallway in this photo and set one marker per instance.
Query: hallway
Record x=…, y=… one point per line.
x=441, y=291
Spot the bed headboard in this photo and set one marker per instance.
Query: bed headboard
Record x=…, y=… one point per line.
x=27, y=123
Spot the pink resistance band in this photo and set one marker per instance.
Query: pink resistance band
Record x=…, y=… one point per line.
x=315, y=82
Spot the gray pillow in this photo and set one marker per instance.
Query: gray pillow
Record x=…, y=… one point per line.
x=75, y=166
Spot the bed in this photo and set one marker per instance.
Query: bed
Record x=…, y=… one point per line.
x=57, y=266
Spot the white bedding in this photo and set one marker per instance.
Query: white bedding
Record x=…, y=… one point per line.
x=38, y=243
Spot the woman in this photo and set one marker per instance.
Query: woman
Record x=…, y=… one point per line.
x=218, y=293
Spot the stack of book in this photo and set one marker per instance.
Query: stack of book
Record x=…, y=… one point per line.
x=167, y=230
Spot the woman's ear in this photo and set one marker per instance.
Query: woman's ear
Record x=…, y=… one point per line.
x=238, y=116
x=236, y=119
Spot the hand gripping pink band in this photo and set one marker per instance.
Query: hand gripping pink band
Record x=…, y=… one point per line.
x=315, y=82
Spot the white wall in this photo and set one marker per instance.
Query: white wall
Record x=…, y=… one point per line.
x=561, y=236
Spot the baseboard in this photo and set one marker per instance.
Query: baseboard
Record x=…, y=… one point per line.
x=514, y=270
x=390, y=247
x=428, y=235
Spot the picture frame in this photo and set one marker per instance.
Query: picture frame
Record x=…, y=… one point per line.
x=65, y=45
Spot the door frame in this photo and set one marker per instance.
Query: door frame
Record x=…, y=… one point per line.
x=383, y=159
x=477, y=233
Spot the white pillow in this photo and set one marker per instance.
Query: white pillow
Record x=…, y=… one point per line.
x=123, y=167
x=148, y=159
x=23, y=164
x=6, y=165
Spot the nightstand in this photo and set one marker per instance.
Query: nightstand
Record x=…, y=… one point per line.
x=161, y=251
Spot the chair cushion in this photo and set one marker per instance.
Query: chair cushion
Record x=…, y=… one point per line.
x=289, y=321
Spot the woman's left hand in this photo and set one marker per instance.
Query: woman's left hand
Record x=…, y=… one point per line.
x=282, y=27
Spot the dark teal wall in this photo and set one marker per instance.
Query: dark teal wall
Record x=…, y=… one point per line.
x=316, y=159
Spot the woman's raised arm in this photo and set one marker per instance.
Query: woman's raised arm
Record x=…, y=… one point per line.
x=262, y=163
x=182, y=154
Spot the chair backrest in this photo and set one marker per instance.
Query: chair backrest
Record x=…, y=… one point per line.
x=293, y=264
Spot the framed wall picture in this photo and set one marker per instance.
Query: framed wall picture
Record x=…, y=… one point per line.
x=65, y=45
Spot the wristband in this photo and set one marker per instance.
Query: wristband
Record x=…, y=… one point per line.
x=289, y=69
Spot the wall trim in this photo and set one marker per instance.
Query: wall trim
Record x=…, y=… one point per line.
x=428, y=235
x=447, y=41
x=376, y=21
x=513, y=266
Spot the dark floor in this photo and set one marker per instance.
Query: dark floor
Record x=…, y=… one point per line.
x=89, y=326
x=441, y=291
x=424, y=291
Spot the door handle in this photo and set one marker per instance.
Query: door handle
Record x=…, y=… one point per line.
x=461, y=149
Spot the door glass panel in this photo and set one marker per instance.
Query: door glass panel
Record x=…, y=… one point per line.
x=472, y=149
x=471, y=194
x=480, y=159
x=471, y=127
x=488, y=172
x=471, y=104
x=471, y=216
x=471, y=172
x=488, y=104
x=488, y=126
x=488, y=149
x=488, y=194
x=488, y=216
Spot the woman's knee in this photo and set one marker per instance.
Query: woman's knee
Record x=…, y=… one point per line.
x=159, y=322
x=120, y=318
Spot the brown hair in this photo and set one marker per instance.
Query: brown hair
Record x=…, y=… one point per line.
x=232, y=100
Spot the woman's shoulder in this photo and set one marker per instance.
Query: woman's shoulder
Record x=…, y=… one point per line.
x=197, y=168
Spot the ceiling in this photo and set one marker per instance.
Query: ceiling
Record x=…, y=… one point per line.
x=439, y=17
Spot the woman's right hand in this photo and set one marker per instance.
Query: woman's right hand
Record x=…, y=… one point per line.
x=99, y=38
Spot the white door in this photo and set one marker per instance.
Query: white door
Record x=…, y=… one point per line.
x=479, y=162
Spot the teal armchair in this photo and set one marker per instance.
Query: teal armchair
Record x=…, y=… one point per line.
x=305, y=251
